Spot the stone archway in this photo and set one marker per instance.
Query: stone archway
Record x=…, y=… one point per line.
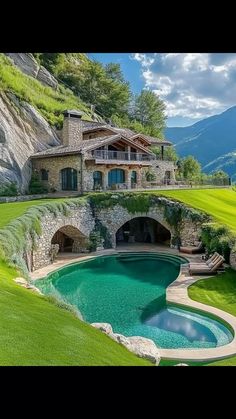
x=143, y=230
x=69, y=239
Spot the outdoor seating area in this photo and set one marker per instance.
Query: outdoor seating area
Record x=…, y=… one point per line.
x=209, y=267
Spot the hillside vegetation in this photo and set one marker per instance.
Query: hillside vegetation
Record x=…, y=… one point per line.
x=48, y=102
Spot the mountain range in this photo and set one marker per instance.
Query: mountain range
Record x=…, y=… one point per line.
x=212, y=141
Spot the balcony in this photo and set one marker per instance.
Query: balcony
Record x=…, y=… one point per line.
x=122, y=157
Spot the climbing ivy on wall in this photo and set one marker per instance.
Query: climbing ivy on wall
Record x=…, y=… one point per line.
x=99, y=233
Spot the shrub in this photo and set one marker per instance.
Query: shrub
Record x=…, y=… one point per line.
x=9, y=190
x=94, y=240
x=36, y=186
x=217, y=238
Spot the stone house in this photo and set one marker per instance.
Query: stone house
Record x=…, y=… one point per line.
x=99, y=156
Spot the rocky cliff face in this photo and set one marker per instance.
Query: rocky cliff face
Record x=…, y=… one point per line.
x=28, y=65
x=23, y=132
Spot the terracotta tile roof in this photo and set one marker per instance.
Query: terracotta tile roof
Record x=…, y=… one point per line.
x=60, y=150
x=124, y=131
x=92, y=124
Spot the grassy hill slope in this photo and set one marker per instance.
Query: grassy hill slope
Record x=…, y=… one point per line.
x=48, y=102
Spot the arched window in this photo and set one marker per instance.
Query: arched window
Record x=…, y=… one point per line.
x=69, y=179
x=134, y=177
x=97, y=179
x=44, y=174
x=116, y=176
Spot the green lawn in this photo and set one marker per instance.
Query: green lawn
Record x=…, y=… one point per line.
x=11, y=210
x=220, y=292
x=34, y=331
x=220, y=203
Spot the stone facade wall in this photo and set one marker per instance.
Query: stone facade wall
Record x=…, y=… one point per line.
x=89, y=168
x=72, y=131
x=160, y=167
x=80, y=218
x=54, y=165
x=190, y=232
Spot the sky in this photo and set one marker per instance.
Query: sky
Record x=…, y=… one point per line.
x=193, y=86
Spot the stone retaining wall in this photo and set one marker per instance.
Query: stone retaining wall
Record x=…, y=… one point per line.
x=81, y=222
x=80, y=218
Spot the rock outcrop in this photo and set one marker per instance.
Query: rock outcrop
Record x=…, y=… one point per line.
x=28, y=65
x=142, y=347
x=23, y=132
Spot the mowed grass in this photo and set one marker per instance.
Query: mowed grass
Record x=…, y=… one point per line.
x=10, y=211
x=219, y=292
x=220, y=203
x=33, y=331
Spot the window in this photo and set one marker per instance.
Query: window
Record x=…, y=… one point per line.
x=97, y=180
x=116, y=176
x=134, y=177
x=69, y=179
x=44, y=174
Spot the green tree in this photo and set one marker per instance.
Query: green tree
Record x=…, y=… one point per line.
x=169, y=153
x=114, y=72
x=49, y=59
x=220, y=178
x=149, y=110
x=189, y=168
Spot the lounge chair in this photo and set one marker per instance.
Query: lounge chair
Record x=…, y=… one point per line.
x=192, y=249
x=211, y=259
x=206, y=269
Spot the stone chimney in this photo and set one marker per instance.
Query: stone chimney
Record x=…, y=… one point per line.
x=72, y=132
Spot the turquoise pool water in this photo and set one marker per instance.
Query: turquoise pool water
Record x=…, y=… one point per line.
x=128, y=291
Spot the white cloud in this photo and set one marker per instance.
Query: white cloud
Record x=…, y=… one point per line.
x=192, y=85
x=144, y=59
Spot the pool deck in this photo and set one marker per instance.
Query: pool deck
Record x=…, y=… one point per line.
x=176, y=293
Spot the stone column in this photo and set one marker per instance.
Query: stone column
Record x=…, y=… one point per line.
x=172, y=177
x=128, y=178
x=105, y=179
x=128, y=150
x=139, y=178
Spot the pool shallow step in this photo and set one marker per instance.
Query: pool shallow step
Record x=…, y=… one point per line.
x=132, y=257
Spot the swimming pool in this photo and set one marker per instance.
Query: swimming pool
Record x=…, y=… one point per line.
x=128, y=290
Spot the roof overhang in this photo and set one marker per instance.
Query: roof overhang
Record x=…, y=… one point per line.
x=61, y=154
x=120, y=137
x=101, y=128
x=134, y=137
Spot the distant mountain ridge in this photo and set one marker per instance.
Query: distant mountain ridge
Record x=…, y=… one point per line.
x=212, y=141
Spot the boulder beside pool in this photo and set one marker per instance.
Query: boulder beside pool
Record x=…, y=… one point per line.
x=140, y=346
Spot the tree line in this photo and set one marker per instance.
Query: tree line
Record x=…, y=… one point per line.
x=105, y=88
